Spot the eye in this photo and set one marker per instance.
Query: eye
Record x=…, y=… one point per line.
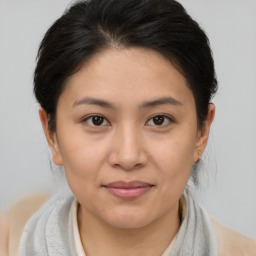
x=96, y=120
x=159, y=120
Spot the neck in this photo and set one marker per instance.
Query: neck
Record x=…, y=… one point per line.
x=99, y=238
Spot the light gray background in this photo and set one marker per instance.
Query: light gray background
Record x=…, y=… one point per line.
x=229, y=192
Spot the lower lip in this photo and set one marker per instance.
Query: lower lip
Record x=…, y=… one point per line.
x=128, y=193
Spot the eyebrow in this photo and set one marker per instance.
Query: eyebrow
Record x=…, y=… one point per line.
x=106, y=104
x=93, y=101
x=161, y=101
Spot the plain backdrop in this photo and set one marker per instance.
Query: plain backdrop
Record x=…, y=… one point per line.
x=228, y=184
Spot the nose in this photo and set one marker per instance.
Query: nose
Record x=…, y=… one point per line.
x=127, y=149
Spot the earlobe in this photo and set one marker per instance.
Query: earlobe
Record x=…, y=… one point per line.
x=51, y=138
x=203, y=133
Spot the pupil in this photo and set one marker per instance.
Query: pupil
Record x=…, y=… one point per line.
x=158, y=120
x=97, y=120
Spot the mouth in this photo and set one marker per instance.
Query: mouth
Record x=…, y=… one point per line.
x=128, y=190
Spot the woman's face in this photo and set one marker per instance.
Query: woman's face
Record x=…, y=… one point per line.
x=127, y=136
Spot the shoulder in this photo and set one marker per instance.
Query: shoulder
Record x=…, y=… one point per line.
x=18, y=215
x=27, y=214
x=4, y=231
x=231, y=242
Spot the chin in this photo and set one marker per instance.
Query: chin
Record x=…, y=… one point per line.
x=128, y=220
x=128, y=224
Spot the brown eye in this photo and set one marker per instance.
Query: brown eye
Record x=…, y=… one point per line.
x=96, y=121
x=159, y=120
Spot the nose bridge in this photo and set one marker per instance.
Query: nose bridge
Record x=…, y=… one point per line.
x=128, y=151
x=129, y=139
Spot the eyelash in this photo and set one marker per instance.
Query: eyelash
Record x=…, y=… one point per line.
x=166, y=117
x=85, y=120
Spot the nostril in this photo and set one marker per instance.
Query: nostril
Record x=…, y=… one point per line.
x=126, y=163
x=127, y=152
x=128, y=167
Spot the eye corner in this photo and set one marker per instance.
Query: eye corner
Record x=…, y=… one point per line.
x=160, y=120
x=95, y=121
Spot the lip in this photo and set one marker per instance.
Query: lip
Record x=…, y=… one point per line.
x=128, y=190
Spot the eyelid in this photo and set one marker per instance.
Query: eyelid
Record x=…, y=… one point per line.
x=86, y=118
x=167, y=116
x=171, y=120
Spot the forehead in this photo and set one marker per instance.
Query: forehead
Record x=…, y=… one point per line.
x=124, y=74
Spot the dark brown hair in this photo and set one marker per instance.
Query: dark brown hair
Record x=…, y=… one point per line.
x=88, y=27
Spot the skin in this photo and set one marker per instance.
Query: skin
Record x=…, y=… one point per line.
x=128, y=145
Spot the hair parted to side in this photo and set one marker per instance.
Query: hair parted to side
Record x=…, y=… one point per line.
x=88, y=27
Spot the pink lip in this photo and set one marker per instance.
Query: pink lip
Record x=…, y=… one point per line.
x=128, y=190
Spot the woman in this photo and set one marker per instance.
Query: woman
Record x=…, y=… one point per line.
x=125, y=89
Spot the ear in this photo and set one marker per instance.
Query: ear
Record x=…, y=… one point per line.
x=203, y=133
x=51, y=138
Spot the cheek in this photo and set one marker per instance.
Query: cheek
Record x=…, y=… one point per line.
x=173, y=158
x=83, y=159
x=81, y=153
x=174, y=153
x=82, y=166
x=174, y=164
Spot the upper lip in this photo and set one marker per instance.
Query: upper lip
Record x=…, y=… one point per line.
x=124, y=184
